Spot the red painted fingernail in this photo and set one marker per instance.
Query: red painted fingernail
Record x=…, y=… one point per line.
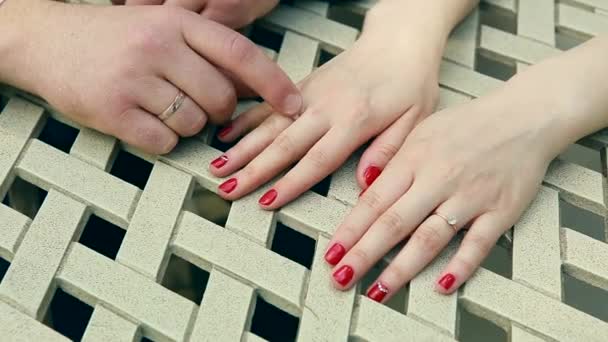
x=335, y=254
x=370, y=174
x=228, y=185
x=344, y=274
x=220, y=161
x=378, y=292
x=268, y=197
x=224, y=131
x=447, y=281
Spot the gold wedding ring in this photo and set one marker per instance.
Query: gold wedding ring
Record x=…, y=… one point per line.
x=174, y=106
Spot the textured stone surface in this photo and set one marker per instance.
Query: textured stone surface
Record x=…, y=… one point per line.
x=130, y=297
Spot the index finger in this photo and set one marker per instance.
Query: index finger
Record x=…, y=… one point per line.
x=232, y=51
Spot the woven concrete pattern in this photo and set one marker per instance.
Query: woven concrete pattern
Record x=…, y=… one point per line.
x=498, y=39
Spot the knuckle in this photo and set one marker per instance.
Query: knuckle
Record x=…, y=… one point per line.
x=284, y=143
x=397, y=272
x=241, y=49
x=451, y=171
x=317, y=158
x=225, y=101
x=429, y=235
x=360, y=255
x=250, y=172
x=465, y=264
x=392, y=222
x=479, y=242
x=387, y=151
x=275, y=124
x=372, y=200
x=148, y=40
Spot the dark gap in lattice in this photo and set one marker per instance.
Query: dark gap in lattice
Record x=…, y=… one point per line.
x=4, y=265
x=498, y=18
x=346, y=16
x=267, y=38
x=293, y=245
x=102, y=236
x=473, y=328
x=583, y=156
x=399, y=301
x=322, y=188
x=145, y=339
x=208, y=205
x=502, y=70
x=273, y=324
x=3, y=102
x=58, y=135
x=325, y=57
x=566, y=39
x=24, y=197
x=499, y=261
x=131, y=169
x=185, y=279
x=585, y=297
x=581, y=220
x=68, y=315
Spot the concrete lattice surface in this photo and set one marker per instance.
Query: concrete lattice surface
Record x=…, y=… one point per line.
x=43, y=251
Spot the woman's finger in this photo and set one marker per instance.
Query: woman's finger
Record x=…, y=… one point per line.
x=321, y=160
x=245, y=122
x=232, y=51
x=383, y=149
x=286, y=149
x=389, y=229
x=156, y=95
x=426, y=242
x=250, y=146
x=202, y=82
x=145, y=131
x=390, y=186
x=476, y=245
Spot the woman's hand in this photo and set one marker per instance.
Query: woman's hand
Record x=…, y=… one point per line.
x=232, y=13
x=477, y=166
x=347, y=101
x=124, y=66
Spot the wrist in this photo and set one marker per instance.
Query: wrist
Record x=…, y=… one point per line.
x=567, y=94
x=22, y=23
x=413, y=29
x=398, y=18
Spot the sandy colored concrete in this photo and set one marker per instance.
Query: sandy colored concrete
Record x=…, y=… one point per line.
x=127, y=295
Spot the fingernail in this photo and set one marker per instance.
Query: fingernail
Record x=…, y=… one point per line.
x=219, y=162
x=447, y=281
x=370, y=174
x=335, y=254
x=293, y=104
x=228, y=185
x=224, y=131
x=378, y=292
x=268, y=197
x=344, y=274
